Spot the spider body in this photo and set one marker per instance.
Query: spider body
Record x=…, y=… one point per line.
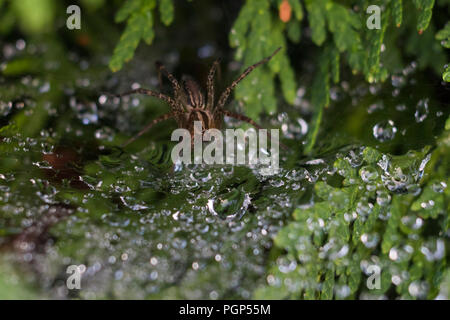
x=195, y=98
x=196, y=109
x=189, y=103
x=202, y=115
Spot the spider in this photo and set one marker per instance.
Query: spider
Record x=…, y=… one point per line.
x=189, y=105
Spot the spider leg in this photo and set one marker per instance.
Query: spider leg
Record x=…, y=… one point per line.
x=210, y=85
x=161, y=96
x=178, y=90
x=241, y=117
x=161, y=68
x=227, y=92
x=164, y=117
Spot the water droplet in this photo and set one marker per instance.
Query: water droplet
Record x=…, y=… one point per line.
x=400, y=107
x=412, y=222
x=45, y=87
x=439, y=186
x=5, y=108
x=286, y=265
x=383, y=198
x=20, y=44
x=370, y=240
x=427, y=205
x=397, y=81
x=104, y=133
x=229, y=205
x=375, y=107
x=384, y=130
x=342, y=291
x=433, y=249
x=368, y=174
x=418, y=289
x=421, y=110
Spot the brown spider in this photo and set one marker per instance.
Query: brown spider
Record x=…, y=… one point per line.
x=189, y=105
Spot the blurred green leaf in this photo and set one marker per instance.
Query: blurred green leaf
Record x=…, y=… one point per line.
x=397, y=12
x=35, y=16
x=316, y=15
x=166, y=11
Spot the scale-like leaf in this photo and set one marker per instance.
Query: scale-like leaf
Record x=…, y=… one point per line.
x=139, y=17
x=317, y=19
x=129, y=41
x=397, y=12
x=166, y=10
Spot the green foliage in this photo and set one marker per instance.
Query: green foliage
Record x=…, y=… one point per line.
x=321, y=89
x=338, y=27
x=371, y=208
x=397, y=12
x=140, y=26
x=380, y=215
x=256, y=34
x=13, y=286
x=444, y=37
x=316, y=11
x=425, y=7
x=32, y=18
x=166, y=11
x=446, y=74
x=360, y=47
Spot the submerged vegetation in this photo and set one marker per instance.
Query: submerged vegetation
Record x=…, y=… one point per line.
x=363, y=187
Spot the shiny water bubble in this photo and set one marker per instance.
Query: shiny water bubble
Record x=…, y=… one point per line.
x=342, y=291
x=412, y=222
x=368, y=174
x=400, y=107
x=104, y=133
x=230, y=204
x=384, y=130
x=364, y=208
x=383, y=198
x=355, y=158
x=398, y=80
x=428, y=205
x=286, y=265
x=401, y=253
x=418, y=289
x=421, y=110
x=433, y=249
x=5, y=108
x=294, y=130
x=370, y=240
x=439, y=186
x=375, y=107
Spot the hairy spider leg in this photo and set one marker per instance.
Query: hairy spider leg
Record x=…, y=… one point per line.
x=180, y=97
x=241, y=117
x=164, y=117
x=227, y=92
x=210, y=85
x=172, y=103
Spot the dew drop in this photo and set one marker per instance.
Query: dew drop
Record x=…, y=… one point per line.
x=384, y=131
x=368, y=174
x=421, y=110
